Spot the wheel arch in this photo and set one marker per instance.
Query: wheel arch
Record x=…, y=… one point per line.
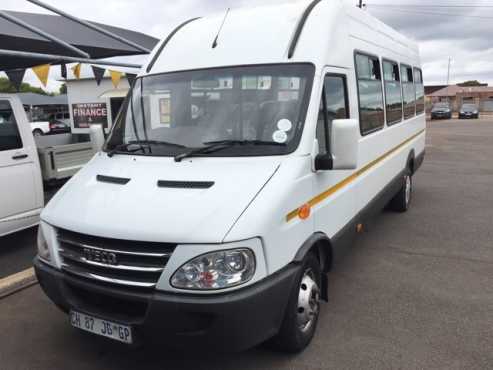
x=321, y=245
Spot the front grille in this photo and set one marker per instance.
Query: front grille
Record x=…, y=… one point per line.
x=113, y=261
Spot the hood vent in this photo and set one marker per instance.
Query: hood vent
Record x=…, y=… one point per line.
x=113, y=180
x=185, y=184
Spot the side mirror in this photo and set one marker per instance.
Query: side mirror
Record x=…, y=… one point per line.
x=344, y=144
x=97, y=137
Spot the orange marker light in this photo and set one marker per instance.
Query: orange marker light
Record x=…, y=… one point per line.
x=304, y=211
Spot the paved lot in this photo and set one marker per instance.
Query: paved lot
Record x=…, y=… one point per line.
x=415, y=292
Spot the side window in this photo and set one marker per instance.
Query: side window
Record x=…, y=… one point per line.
x=408, y=93
x=9, y=133
x=393, y=93
x=322, y=129
x=371, y=107
x=334, y=105
x=420, y=91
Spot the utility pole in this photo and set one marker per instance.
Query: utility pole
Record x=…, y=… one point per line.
x=448, y=77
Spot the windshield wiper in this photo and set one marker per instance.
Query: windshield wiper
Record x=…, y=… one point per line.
x=143, y=144
x=215, y=146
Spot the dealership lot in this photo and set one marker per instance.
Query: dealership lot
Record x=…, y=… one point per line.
x=414, y=292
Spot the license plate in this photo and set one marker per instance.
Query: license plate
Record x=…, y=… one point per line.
x=108, y=329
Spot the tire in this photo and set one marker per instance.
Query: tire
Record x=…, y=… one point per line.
x=299, y=326
x=402, y=200
x=38, y=132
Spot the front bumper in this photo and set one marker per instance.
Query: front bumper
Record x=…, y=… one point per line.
x=438, y=115
x=231, y=321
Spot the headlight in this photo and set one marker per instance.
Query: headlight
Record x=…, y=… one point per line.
x=43, y=250
x=216, y=270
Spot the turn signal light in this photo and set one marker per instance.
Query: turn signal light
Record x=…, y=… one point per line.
x=304, y=211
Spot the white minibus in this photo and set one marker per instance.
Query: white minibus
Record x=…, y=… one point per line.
x=253, y=146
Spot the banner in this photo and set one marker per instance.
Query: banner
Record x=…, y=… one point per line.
x=86, y=114
x=116, y=77
x=42, y=72
x=131, y=78
x=15, y=77
x=98, y=74
x=63, y=70
x=76, y=70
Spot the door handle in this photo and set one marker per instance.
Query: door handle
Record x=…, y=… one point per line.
x=19, y=157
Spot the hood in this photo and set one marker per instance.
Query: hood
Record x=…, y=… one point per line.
x=181, y=210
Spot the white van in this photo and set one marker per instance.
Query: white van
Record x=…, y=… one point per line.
x=21, y=187
x=246, y=155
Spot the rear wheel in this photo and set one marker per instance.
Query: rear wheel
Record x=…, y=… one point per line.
x=38, y=132
x=301, y=316
x=402, y=200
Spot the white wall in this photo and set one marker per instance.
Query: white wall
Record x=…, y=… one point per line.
x=87, y=91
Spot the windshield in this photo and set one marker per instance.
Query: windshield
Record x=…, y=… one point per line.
x=469, y=107
x=441, y=106
x=175, y=112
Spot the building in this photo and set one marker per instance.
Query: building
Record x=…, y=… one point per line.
x=457, y=95
x=91, y=103
x=40, y=107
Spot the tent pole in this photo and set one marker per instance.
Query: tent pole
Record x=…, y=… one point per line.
x=42, y=33
x=63, y=58
x=90, y=25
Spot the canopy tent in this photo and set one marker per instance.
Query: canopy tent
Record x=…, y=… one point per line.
x=28, y=39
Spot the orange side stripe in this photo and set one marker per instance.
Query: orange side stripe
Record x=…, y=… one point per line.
x=322, y=196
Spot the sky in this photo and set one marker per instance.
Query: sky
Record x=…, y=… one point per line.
x=464, y=37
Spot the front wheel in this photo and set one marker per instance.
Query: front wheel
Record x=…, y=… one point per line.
x=37, y=132
x=301, y=316
x=402, y=200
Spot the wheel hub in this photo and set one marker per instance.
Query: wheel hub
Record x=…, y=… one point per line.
x=308, y=301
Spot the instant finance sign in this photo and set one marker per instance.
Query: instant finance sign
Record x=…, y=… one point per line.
x=86, y=114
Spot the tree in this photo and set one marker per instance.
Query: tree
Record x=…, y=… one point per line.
x=7, y=87
x=471, y=83
x=63, y=89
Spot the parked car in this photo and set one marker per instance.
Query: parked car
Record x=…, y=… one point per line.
x=40, y=128
x=63, y=117
x=215, y=227
x=469, y=111
x=441, y=110
x=21, y=187
x=59, y=127
x=24, y=164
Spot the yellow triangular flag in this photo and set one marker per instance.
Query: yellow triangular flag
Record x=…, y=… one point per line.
x=76, y=70
x=115, y=78
x=42, y=72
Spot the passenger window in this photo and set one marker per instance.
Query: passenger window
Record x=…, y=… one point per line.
x=9, y=133
x=334, y=105
x=409, y=95
x=370, y=93
x=393, y=93
x=420, y=91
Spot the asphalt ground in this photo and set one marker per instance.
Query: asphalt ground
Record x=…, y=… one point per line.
x=414, y=292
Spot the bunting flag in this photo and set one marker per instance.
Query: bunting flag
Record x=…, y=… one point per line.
x=63, y=70
x=15, y=77
x=76, y=70
x=116, y=78
x=42, y=72
x=131, y=78
x=98, y=74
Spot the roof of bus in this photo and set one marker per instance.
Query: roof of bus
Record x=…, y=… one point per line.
x=262, y=35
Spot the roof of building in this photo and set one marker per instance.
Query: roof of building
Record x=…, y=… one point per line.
x=430, y=89
x=38, y=99
x=454, y=90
